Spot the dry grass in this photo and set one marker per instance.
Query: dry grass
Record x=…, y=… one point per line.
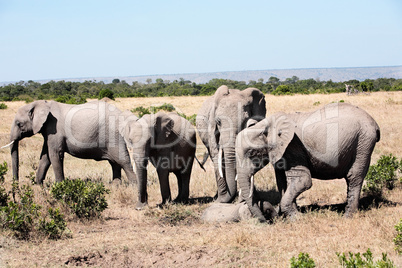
x=175, y=237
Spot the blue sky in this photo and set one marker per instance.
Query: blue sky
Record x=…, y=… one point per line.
x=72, y=39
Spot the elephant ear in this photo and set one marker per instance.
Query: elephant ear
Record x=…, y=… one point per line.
x=164, y=124
x=124, y=122
x=38, y=114
x=281, y=130
x=257, y=101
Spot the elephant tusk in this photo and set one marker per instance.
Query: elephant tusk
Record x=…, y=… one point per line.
x=251, y=186
x=134, y=167
x=220, y=162
x=236, y=178
x=5, y=146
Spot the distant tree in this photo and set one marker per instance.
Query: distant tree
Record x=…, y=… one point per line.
x=149, y=81
x=106, y=93
x=116, y=81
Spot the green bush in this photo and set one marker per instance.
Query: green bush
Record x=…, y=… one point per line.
x=54, y=228
x=398, y=237
x=106, y=93
x=3, y=106
x=167, y=107
x=382, y=175
x=140, y=111
x=3, y=192
x=356, y=260
x=20, y=217
x=71, y=99
x=302, y=261
x=85, y=198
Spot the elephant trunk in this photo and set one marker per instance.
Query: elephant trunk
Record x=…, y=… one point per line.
x=15, y=159
x=246, y=188
x=230, y=171
x=140, y=165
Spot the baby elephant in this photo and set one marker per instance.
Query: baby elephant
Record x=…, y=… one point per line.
x=169, y=142
x=335, y=141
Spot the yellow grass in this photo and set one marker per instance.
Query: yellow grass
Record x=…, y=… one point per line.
x=129, y=238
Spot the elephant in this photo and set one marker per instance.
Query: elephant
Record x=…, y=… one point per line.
x=86, y=131
x=220, y=119
x=333, y=142
x=222, y=212
x=168, y=141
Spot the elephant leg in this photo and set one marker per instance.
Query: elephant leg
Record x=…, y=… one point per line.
x=354, y=180
x=44, y=164
x=298, y=180
x=116, y=168
x=57, y=159
x=163, y=175
x=183, y=181
x=281, y=181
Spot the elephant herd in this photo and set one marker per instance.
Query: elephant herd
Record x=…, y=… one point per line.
x=335, y=141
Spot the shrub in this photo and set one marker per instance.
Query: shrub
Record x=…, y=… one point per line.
x=140, y=111
x=71, y=99
x=164, y=107
x=356, y=260
x=382, y=175
x=3, y=192
x=55, y=227
x=20, y=216
x=302, y=261
x=106, y=93
x=398, y=237
x=85, y=198
x=190, y=118
x=3, y=106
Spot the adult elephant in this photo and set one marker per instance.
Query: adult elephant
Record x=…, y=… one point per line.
x=87, y=131
x=169, y=142
x=335, y=141
x=220, y=119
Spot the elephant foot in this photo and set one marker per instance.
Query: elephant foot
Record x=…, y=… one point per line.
x=140, y=205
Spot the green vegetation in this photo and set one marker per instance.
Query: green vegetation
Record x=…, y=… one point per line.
x=85, y=198
x=382, y=175
x=22, y=216
x=167, y=107
x=302, y=261
x=356, y=260
x=398, y=237
x=106, y=93
x=3, y=106
x=31, y=90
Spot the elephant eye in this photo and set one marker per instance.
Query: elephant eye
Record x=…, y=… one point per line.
x=18, y=123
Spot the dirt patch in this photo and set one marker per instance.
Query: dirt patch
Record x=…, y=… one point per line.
x=91, y=259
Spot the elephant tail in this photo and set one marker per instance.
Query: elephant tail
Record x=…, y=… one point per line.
x=205, y=158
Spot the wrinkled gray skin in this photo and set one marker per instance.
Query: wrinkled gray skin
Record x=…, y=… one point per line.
x=220, y=119
x=168, y=141
x=220, y=212
x=335, y=141
x=88, y=131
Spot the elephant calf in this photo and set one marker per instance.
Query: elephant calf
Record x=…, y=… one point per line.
x=169, y=142
x=335, y=141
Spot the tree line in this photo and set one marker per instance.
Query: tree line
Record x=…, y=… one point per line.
x=77, y=92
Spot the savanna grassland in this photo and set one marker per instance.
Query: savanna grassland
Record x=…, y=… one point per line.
x=175, y=237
